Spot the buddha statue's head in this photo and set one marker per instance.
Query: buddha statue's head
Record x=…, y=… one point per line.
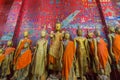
x=1, y=51
x=67, y=35
x=9, y=43
x=43, y=33
x=51, y=34
x=58, y=26
x=26, y=33
x=117, y=30
x=111, y=29
x=90, y=34
x=97, y=33
x=79, y=32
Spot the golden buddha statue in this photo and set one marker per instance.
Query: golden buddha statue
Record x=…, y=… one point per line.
x=56, y=49
x=40, y=58
x=23, y=52
x=68, y=72
x=7, y=63
x=93, y=57
x=103, y=55
x=82, y=55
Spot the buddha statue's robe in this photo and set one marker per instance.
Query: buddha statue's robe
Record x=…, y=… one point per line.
x=40, y=59
x=8, y=61
x=81, y=56
x=116, y=47
x=22, y=64
x=56, y=52
x=103, y=56
x=68, y=60
x=20, y=47
x=93, y=62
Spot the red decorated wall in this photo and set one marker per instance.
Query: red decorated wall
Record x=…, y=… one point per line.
x=20, y=15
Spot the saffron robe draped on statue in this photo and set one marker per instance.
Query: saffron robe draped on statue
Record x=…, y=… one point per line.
x=68, y=58
x=9, y=50
x=116, y=47
x=24, y=59
x=102, y=53
x=2, y=57
x=20, y=47
x=7, y=62
x=92, y=48
x=56, y=52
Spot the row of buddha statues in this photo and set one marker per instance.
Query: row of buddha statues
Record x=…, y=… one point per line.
x=64, y=58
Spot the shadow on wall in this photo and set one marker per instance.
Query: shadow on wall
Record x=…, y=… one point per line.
x=5, y=6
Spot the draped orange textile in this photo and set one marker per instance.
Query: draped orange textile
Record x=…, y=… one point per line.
x=116, y=47
x=9, y=50
x=51, y=59
x=102, y=52
x=92, y=47
x=24, y=60
x=68, y=58
x=2, y=57
x=20, y=47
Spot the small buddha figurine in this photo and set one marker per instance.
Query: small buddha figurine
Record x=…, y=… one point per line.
x=103, y=56
x=68, y=60
x=82, y=55
x=21, y=45
x=93, y=57
x=22, y=64
x=56, y=50
x=40, y=58
x=7, y=63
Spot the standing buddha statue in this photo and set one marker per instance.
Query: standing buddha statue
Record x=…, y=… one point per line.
x=56, y=50
x=103, y=56
x=40, y=58
x=7, y=63
x=68, y=60
x=82, y=55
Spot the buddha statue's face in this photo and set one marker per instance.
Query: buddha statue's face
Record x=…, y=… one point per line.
x=1, y=51
x=9, y=43
x=26, y=33
x=90, y=35
x=79, y=32
x=111, y=29
x=51, y=34
x=58, y=26
x=43, y=33
x=119, y=31
x=67, y=36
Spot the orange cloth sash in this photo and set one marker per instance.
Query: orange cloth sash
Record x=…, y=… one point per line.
x=116, y=47
x=92, y=47
x=9, y=50
x=24, y=60
x=2, y=57
x=68, y=58
x=102, y=53
x=20, y=47
x=51, y=60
